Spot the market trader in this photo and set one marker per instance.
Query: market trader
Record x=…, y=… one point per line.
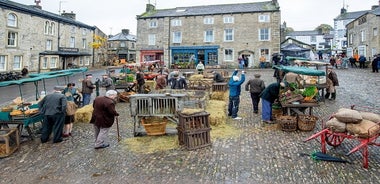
x=53, y=107
x=234, y=98
x=268, y=96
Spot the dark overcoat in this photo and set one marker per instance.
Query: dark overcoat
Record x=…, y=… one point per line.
x=104, y=112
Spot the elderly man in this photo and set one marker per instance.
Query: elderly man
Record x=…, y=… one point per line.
x=103, y=117
x=161, y=81
x=107, y=82
x=87, y=89
x=255, y=87
x=53, y=107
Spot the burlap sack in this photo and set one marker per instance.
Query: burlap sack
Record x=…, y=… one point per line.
x=335, y=125
x=364, y=129
x=348, y=115
x=371, y=116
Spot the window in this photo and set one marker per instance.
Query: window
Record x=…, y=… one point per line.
x=264, y=18
x=72, y=29
x=52, y=25
x=122, y=44
x=46, y=28
x=49, y=44
x=12, y=20
x=264, y=34
x=72, y=42
x=228, y=35
x=45, y=63
x=132, y=45
x=17, y=61
x=313, y=39
x=375, y=31
x=84, y=43
x=176, y=22
x=228, y=54
x=362, y=50
x=264, y=52
x=209, y=36
x=152, y=39
x=87, y=61
x=362, y=36
x=177, y=37
x=152, y=24
x=12, y=39
x=81, y=61
x=351, y=38
x=228, y=19
x=208, y=20
x=84, y=32
x=53, y=62
x=3, y=63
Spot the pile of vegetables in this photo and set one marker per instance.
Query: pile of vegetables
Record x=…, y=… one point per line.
x=309, y=93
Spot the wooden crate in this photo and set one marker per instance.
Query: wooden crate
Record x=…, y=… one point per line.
x=197, y=139
x=9, y=141
x=194, y=122
x=222, y=86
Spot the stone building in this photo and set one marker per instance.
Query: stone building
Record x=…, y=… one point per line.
x=123, y=46
x=363, y=34
x=42, y=40
x=213, y=34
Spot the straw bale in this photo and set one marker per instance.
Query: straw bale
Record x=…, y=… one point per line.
x=217, y=112
x=196, y=77
x=189, y=111
x=84, y=114
x=151, y=84
x=219, y=95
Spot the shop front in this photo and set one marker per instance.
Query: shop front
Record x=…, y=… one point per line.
x=148, y=56
x=187, y=57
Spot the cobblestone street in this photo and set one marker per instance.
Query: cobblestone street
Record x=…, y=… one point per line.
x=261, y=153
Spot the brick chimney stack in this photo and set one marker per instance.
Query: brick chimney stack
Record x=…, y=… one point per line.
x=69, y=15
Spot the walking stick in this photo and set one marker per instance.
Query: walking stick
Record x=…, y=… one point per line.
x=117, y=129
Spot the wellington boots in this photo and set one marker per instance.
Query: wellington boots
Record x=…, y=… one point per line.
x=327, y=95
x=333, y=96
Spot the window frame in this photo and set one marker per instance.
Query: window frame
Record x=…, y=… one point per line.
x=208, y=20
x=151, y=39
x=84, y=43
x=152, y=24
x=363, y=36
x=228, y=20
x=19, y=64
x=86, y=61
x=49, y=45
x=3, y=62
x=12, y=22
x=176, y=22
x=228, y=56
x=177, y=37
x=264, y=18
x=72, y=42
x=226, y=35
x=53, y=62
x=14, y=39
x=266, y=53
x=209, y=37
x=266, y=35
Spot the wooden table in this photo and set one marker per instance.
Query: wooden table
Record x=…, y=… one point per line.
x=296, y=107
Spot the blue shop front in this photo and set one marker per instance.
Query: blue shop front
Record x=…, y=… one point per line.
x=190, y=56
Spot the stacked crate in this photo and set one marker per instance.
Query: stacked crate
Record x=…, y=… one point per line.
x=9, y=141
x=194, y=130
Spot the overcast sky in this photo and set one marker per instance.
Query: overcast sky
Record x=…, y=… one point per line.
x=113, y=15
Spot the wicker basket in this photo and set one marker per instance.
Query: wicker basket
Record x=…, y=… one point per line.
x=306, y=122
x=154, y=125
x=288, y=123
x=276, y=113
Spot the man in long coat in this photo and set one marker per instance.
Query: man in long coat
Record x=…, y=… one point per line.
x=103, y=117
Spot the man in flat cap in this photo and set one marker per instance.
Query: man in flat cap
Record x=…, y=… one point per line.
x=255, y=87
x=87, y=89
x=53, y=107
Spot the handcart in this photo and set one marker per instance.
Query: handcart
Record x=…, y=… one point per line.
x=335, y=139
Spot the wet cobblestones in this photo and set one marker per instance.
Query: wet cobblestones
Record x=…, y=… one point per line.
x=260, y=154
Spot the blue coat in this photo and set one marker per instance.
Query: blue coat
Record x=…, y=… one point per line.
x=235, y=86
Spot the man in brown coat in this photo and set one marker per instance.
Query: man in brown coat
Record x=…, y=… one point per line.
x=87, y=89
x=103, y=117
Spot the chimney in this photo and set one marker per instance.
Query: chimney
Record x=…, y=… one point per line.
x=343, y=11
x=374, y=7
x=125, y=31
x=275, y=2
x=69, y=15
x=150, y=7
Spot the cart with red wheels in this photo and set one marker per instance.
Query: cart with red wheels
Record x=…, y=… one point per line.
x=335, y=139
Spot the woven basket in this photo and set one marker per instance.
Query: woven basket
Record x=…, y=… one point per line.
x=306, y=122
x=154, y=126
x=288, y=123
x=276, y=113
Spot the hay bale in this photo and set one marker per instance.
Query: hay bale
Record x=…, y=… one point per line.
x=151, y=84
x=84, y=114
x=217, y=110
x=190, y=111
x=219, y=95
x=196, y=77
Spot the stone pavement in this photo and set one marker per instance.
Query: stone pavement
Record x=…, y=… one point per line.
x=260, y=154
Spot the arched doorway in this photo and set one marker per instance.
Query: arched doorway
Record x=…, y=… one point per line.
x=248, y=55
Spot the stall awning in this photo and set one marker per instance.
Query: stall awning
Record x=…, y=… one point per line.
x=301, y=70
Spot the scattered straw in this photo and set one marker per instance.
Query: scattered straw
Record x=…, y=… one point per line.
x=224, y=131
x=151, y=144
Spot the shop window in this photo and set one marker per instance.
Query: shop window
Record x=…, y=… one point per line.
x=53, y=62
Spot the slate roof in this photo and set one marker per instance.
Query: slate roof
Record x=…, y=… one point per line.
x=266, y=6
x=303, y=33
x=351, y=15
x=123, y=37
x=376, y=11
x=29, y=9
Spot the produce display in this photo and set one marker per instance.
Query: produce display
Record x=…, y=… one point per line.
x=292, y=94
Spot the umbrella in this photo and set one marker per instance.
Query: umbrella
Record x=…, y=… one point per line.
x=325, y=157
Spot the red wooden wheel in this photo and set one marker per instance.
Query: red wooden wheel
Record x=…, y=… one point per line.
x=333, y=140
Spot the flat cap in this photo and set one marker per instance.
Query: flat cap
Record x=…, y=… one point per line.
x=257, y=75
x=89, y=74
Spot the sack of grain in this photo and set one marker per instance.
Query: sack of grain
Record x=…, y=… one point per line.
x=335, y=125
x=348, y=115
x=364, y=129
x=371, y=116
